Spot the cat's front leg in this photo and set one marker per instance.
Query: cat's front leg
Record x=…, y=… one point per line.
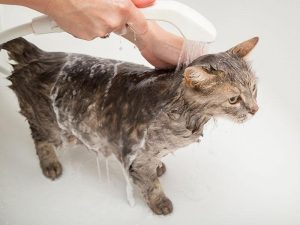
x=145, y=175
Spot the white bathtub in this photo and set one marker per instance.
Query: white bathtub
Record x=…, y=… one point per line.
x=240, y=174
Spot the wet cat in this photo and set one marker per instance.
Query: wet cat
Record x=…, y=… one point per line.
x=136, y=113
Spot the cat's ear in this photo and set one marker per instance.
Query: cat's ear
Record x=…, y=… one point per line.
x=244, y=48
x=196, y=75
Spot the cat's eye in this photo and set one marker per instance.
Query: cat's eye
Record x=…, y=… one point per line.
x=234, y=100
x=210, y=69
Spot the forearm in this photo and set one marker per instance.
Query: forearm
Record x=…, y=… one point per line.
x=39, y=5
x=167, y=45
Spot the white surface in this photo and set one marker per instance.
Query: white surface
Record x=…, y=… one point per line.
x=240, y=174
x=15, y=32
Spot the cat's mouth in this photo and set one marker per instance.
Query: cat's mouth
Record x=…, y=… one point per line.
x=237, y=118
x=242, y=118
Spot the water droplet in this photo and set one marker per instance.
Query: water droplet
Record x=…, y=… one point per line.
x=129, y=188
x=107, y=170
x=98, y=166
x=120, y=48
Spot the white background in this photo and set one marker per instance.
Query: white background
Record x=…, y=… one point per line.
x=240, y=174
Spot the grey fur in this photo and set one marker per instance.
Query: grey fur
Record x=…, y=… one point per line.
x=134, y=112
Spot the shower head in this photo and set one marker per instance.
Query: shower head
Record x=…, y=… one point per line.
x=190, y=23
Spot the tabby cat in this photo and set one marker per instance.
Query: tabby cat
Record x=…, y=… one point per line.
x=133, y=112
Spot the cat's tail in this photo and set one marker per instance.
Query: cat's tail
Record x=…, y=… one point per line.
x=22, y=51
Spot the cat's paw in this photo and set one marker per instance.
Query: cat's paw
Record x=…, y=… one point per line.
x=161, y=169
x=52, y=169
x=161, y=206
x=72, y=140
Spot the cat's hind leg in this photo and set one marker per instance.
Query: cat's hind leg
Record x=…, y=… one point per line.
x=36, y=106
x=46, y=141
x=144, y=174
x=49, y=163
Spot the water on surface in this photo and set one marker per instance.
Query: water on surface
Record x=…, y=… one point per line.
x=108, y=86
x=98, y=166
x=107, y=170
x=129, y=187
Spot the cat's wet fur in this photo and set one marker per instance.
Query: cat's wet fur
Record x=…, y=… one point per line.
x=134, y=112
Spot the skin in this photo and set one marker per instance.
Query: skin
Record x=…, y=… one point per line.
x=90, y=19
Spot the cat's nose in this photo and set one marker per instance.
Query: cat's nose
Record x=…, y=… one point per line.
x=253, y=109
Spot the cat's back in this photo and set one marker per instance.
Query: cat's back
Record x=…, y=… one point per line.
x=121, y=92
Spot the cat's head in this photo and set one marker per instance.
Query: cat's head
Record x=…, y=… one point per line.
x=224, y=83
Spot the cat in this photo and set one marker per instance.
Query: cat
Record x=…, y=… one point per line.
x=133, y=112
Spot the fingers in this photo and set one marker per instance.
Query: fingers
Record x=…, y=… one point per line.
x=143, y=3
x=122, y=31
x=133, y=16
x=97, y=18
x=137, y=21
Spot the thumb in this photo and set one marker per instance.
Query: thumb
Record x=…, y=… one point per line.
x=137, y=21
x=142, y=3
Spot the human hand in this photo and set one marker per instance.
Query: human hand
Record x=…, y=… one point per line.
x=97, y=18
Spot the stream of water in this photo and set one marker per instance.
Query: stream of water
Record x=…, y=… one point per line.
x=190, y=51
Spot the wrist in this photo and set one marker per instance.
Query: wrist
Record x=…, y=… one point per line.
x=165, y=44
